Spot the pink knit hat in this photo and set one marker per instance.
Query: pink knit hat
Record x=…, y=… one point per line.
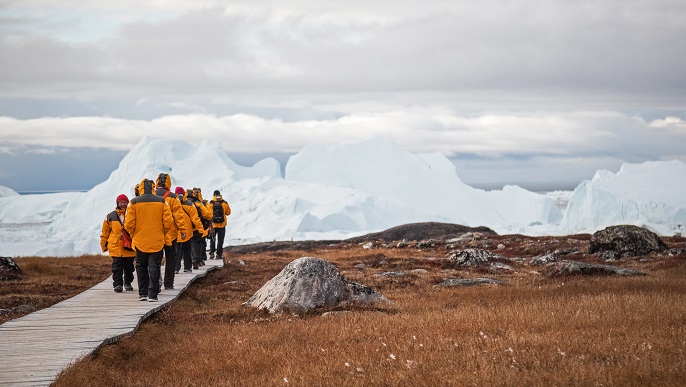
x=179, y=191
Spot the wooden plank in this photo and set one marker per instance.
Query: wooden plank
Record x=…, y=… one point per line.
x=37, y=347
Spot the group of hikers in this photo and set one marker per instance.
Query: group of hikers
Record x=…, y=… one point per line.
x=160, y=224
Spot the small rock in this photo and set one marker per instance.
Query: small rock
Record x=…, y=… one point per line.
x=608, y=255
x=426, y=244
x=368, y=245
x=473, y=257
x=543, y=260
x=25, y=309
x=497, y=267
x=335, y=313
x=469, y=282
x=390, y=274
x=566, y=268
x=9, y=269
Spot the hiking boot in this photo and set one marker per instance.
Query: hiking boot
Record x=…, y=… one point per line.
x=169, y=287
x=143, y=298
x=188, y=271
x=152, y=299
x=211, y=255
x=195, y=265
x=176, y=272
x=128, y=287
x=118, y=289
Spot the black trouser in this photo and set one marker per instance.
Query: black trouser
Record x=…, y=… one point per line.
x=197, y=247
x=183, y=253
x=122, y=267
x=148, y=271
x=219, y=234
x=170, y=264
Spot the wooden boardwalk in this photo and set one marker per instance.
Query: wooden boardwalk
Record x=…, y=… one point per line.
x=35, y=348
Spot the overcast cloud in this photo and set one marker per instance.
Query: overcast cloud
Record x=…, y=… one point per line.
x=525, y=92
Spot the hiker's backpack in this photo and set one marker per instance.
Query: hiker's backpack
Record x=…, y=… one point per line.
x=217, y=212
x=205, y=223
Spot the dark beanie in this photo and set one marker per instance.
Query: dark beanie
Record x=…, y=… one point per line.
x=216, y=192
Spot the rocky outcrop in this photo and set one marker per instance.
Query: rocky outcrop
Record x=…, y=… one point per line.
x=308, y=283
x=626, y=241
x=421, y=231
x=569, y=268
x=9, y=269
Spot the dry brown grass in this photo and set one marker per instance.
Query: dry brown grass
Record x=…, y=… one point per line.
x=47, y=281
x=534, y=331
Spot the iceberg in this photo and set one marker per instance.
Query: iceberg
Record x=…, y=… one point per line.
x=651, y=194
x=338, y=191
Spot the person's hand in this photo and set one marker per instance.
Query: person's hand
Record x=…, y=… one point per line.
x=183, y=235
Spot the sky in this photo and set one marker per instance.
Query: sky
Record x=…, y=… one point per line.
x=534, y=93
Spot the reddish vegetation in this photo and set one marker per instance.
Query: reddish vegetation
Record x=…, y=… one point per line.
x=533, y=330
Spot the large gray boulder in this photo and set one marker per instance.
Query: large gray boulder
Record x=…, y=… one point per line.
x=309, y=283
x=626, y=241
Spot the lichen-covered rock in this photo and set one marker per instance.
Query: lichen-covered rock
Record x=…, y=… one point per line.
x=568, y=268
x=627, y=241
x=542, y=260
x=308, y=283
x=425, y=244
x=472, y=257
x=9, y=269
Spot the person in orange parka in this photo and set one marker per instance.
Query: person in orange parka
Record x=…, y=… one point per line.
x=111, y=241
x=180, y=227
x=183, y=245
x=198, y=244
x=220, y=210
x=148, y=220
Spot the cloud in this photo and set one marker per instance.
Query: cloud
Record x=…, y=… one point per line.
x=674, y=123
x=417, y=129
x=626, y=49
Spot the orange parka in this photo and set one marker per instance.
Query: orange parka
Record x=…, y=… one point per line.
x=110, y=238
x=225, y=207
x=148, y=220
x=191, y=218
x=179, y=223
x=195, y=197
